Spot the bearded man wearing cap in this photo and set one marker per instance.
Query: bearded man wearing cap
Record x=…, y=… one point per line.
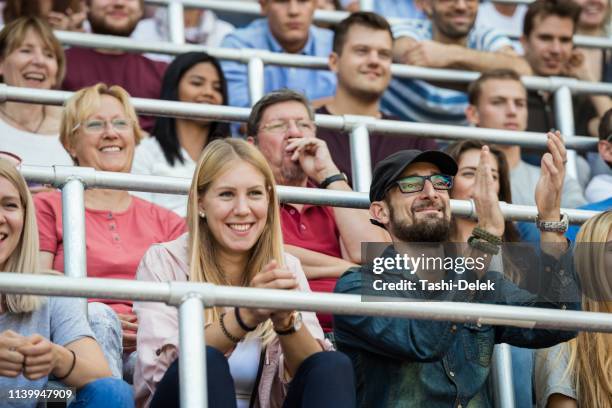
x=402, y=362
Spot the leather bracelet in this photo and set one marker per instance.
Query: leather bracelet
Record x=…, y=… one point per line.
x=71, y=367
x=227, y=334
x=336, y=177
x=241, y=322
x=486, y=235
x=483, y=245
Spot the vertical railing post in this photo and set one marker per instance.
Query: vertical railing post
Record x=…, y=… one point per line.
x=501, y=370
x=361, y=166
x=366, y=5
x=73, y=225
x=176, y=22
x=256, y=79
x=564, y=117
x=192, y=355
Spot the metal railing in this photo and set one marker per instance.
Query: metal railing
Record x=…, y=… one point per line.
x=358, y=126
x=330, y=17
x=192, y=297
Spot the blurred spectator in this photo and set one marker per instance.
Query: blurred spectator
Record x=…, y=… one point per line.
x=201, y=27
x=43, y=337
x=447, y=40
x=577, y=373
x=594, y=21
x=410, y=9
x=327, y=240
x=31, y=57
x=507, y=18
x=65, y=15
x=287, y=28
x=330, y=5
x=498, y=100
x=549, y=48
x=600, y=187
x=100, y=130
x=176, y=144
x=235, y=239
x=140, y=76
x=401, y=362
x=361, y=60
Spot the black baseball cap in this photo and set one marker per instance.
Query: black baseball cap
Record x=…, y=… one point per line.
x=388, y=170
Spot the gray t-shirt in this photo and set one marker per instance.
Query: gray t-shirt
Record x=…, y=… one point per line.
x=61, y=321
x=550, y=374
x=523, y=181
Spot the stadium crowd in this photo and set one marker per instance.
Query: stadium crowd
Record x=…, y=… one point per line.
x=232, y=230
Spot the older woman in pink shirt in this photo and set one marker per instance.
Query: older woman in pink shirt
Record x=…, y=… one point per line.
x=274, y=358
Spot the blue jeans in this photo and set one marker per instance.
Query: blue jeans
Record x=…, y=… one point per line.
x=324, y=379
x=522, y=372
x=105, y=393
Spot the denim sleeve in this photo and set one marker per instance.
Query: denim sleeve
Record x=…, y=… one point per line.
x=235, y=74
x=406, y=339
x=561, y=292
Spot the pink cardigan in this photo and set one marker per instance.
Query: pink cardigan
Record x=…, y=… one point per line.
x=157, y=338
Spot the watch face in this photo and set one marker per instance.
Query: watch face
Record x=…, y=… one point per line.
x=297, y=324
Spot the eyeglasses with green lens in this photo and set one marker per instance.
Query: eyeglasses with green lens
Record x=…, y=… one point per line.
x=414, y=184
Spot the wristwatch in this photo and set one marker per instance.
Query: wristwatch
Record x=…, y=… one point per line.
x=331, y=179
x=295, y=324
x=553, y=226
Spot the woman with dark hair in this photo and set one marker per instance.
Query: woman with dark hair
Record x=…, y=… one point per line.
x=176, y=143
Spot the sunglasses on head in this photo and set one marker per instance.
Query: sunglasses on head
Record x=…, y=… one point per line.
x=11, y=157
x=414, y=184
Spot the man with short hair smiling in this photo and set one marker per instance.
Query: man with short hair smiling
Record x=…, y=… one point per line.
x=138, y=75
x=327, y=240
x=498, y=100
x=412, y=362
x=448, y=39
x=287, y=28
x=548, y=42
x=361, y=60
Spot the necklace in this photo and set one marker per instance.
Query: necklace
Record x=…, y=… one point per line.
x=15, y=121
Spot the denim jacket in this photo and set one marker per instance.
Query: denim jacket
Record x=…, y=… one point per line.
x=429, y=363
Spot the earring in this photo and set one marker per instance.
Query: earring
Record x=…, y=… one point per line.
x=202, y=214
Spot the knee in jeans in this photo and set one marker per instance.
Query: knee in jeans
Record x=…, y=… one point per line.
x=100, y=314
x=214, y=358
x=113, y=391
x=330, y=363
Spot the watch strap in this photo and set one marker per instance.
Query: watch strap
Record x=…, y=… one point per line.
x=294, y=326
x=336, y=177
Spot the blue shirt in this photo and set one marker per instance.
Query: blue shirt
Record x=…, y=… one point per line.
x=419, y=101
x=313, y=83
x=421, y=362
x=394, y=9
x=530, y=233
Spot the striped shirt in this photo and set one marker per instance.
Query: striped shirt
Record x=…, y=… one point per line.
x=419, y=101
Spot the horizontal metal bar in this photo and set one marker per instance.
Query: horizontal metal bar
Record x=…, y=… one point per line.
x=347, y=122
x=57, y=176
x=175, y=292
x=304, y=61
x=332, y=17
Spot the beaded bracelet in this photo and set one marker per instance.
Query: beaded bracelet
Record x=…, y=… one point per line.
x=487, y=236
x=227, y=334
x=71, y=367
x=483, y=245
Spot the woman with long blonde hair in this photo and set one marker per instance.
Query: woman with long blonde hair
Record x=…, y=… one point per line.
x=266, y=357
x=579, y=373
x=43, y=337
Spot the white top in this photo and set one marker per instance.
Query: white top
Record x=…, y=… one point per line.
x=489, y=17
x=210, y=32
x=149, y=159
x=599, y=189
x=34, y=149
x=243, y=365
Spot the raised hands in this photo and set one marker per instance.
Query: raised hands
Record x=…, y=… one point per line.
x=486, y=200
x=314, y=157
x=552, y=174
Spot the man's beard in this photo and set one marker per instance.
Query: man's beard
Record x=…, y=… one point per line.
x=99, y=26
x=451, y=32
x=292, y=174
x=424, y=230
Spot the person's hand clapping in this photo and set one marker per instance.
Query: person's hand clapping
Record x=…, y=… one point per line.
x=486, y=200
x=552, y=175
x=40, y=357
